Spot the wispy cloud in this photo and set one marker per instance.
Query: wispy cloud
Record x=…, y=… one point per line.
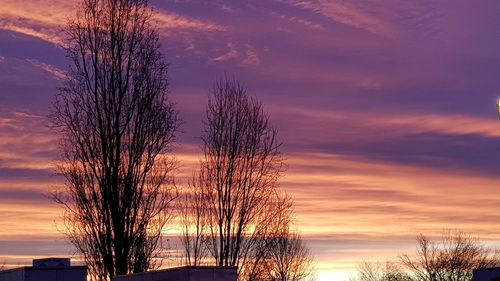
x=299, y=20
x=232, y=53
x=39, y=29
x=246, y=55
x=169, y=21
x=28, y=18
x=56, y=72
x=344, y=13
x=392, y=124
x=25, y=143
x=252, y=58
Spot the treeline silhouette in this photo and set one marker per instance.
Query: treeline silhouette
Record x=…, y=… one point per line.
x=452, y=257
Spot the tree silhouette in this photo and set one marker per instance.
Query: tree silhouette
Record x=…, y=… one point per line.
x=375, y=271
x=233, y=213
x=117, y=127
x=283, y=256
x=241, y=165
x=290, y=259
x=452, y=258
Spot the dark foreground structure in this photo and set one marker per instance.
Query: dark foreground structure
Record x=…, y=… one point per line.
x=60, y=269
x=186, y=273
x=487, y=274
x=49, y=269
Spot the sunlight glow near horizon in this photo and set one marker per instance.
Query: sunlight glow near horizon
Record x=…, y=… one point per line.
x=329, y=276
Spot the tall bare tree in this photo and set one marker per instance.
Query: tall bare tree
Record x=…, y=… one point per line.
x=242, y=163
x=238, y=216
x=452, y=258
x=117, y=127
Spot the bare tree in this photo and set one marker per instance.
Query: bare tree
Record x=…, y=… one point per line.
x=117, y=127
x=194, y=215
x=452, y=258
x=237, y=177
x=236, y=215
x=240, y=169
x=289, y=259
x=376, y=271
x=258, y=260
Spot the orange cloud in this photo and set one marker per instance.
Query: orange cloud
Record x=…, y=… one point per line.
x=372, y=123
x=352, y=209
x=28, y=18
x=347, y=207
x=171, y=21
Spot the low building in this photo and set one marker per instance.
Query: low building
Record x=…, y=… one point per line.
x=49, y=269
x=60, y=269
x=486, y=274
x=185, y=273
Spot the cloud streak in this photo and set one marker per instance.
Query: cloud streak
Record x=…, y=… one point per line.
x=342, y=12
x=46, y=24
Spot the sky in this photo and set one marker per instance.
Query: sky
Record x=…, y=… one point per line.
x=386, y=110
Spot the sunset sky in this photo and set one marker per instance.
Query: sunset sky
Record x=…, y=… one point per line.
x=386, y=110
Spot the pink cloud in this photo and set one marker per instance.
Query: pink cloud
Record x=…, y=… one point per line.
x=232, y=53
x=252, y=58
x=344, y=13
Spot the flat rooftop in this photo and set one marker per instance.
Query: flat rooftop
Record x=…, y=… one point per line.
x=184, y=273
